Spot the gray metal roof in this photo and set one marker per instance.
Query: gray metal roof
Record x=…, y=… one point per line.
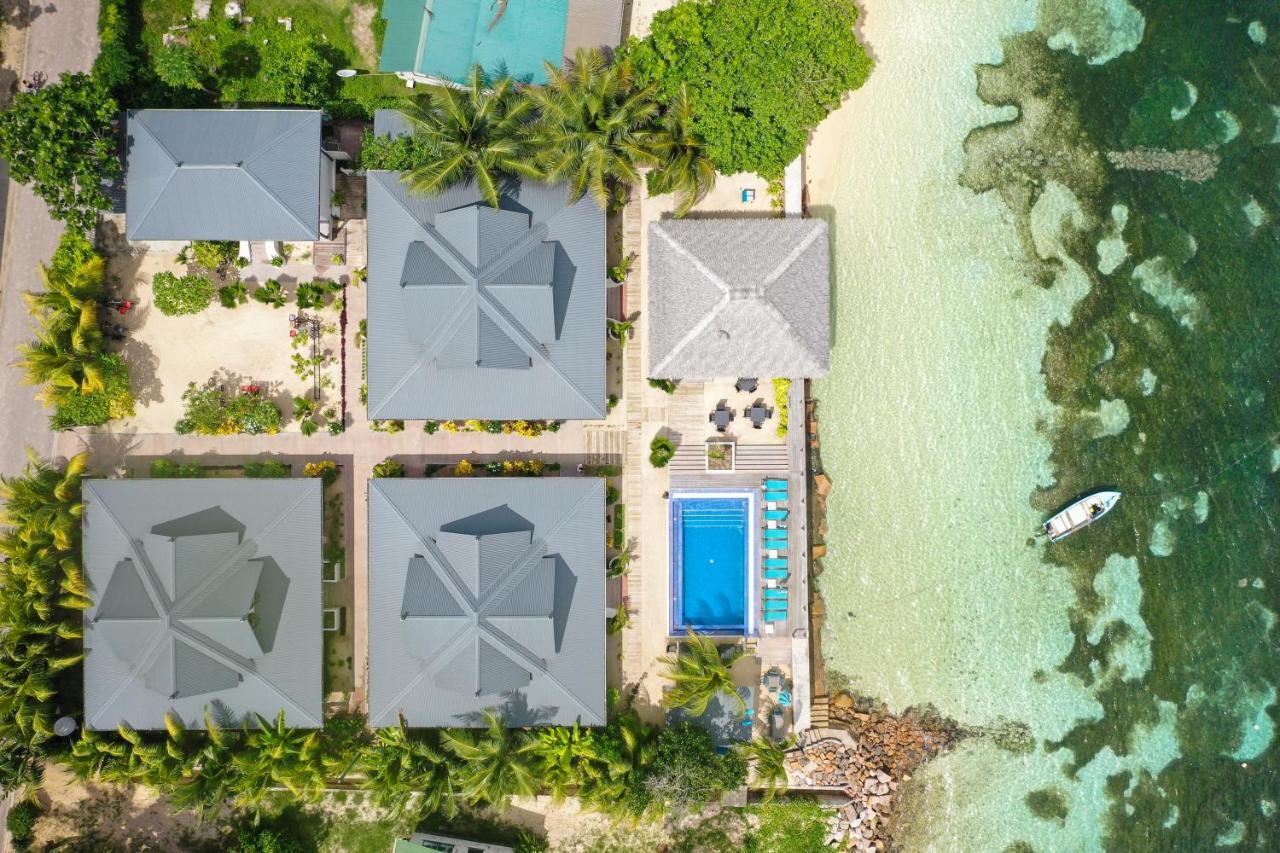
x=483, y=313
x=206, y=594
x=223, y=175
x=739, y=297
x=486, y=594
x=391, y=123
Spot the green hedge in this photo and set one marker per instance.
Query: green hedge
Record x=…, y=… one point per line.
x=167, y=469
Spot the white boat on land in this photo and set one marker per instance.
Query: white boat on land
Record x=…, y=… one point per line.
x=1080, y=514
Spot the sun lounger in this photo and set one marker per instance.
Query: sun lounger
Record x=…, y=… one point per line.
x=775, y=616
x=775, y=562
x=775, y=515
x=775, y=497
x=780, y=612
x=775, y=485
x=776, y=574
x=776, y=534
x=775, y=593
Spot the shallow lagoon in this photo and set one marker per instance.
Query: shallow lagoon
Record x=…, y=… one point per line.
x=1139, y=658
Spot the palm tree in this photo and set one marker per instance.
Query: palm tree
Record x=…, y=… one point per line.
x=96, y=755
x=496, y=766
x=276, y=755
x=626, y=748
x=43, y=505
x=21, y=769
x=473, y=134
x=65, y=356
x=208, y=780
x=769, y=764
x=594, y=126
x=565, y=758
x=399, y=763
x=700, y=674
x=683, y=165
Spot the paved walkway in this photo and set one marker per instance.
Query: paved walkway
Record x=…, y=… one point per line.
x=60, y=37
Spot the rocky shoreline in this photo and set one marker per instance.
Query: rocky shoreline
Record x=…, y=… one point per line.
x=866, y=756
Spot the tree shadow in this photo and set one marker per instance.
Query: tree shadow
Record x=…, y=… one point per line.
x=18, y=14
x=143, y=369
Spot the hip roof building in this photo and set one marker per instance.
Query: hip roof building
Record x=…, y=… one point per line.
x=254, y=174
x=739, y=297
x=486, y=595
x=483, y=313
x=206, y=598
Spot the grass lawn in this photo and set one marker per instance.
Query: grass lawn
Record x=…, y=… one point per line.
x=352, y=27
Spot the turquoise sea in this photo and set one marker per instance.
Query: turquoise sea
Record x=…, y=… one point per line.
x=1057, y=240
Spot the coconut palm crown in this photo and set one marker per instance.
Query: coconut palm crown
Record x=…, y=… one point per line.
x=700, y=673
x=473, y=133
x=594, y=126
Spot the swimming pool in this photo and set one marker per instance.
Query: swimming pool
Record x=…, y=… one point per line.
x=713, y=558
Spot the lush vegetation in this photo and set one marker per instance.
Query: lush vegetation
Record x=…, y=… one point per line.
x=789, y=826
x=188, y=294
x=661, y=449
x=781, y=393
x=44, y=592
x=266, y=469
x=759, y=74
x=595, y=128
x=592, y=127
x=472, y=134
x=701, y=673
x=528, y=429
x=85, y=384
x=389, y=468
x=59, y=140
x=168, y=469
x=211, y=410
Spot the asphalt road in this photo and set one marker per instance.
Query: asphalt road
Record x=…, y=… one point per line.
x=62, y=36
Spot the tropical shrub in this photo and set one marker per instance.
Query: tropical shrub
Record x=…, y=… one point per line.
x=263, y=840
x=271, y=293
x=789, y=825
x=401, y=762
x=336, y=428
x=760, y=74
x=21, y=823
x=686, y=773
x=316, y=293
x=473, y=133
x=167, y=469
x=86, y=385
x=176, y=296
x=266, y=469
x=309, y=427
x=611, y=494
x=211, y=410
x=494, y=763
x=781, y=392
x=660, y=451
x=768, y=763
x=666, y=386
x=388, y=468
x=213, y=255
x=325, y=469
x=114, y=67
x=463, y=469
x=177, y=66
x=233, y=295
x=397, y=154
x=59, y=141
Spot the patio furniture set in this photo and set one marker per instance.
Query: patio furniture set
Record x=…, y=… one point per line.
x=757, y=412
x=775, y=573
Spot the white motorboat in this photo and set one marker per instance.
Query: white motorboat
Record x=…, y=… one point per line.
x=1080, y=514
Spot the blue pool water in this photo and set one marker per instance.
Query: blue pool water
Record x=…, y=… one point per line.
x=711, y=566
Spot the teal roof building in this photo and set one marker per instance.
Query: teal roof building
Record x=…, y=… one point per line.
x=443, y=39
x=206, y=598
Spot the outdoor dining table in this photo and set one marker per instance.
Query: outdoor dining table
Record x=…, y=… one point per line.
x=747, y=385
x=757, y=414
x=721, y=418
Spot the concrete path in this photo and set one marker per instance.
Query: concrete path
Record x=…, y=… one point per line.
x=60, y=37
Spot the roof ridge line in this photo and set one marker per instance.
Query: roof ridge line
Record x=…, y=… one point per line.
x=436, y=554
x=520, y=568
x=431, y=668
x=202, y=589
x=279, y=203
x=699, y=327
x=540, y=665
